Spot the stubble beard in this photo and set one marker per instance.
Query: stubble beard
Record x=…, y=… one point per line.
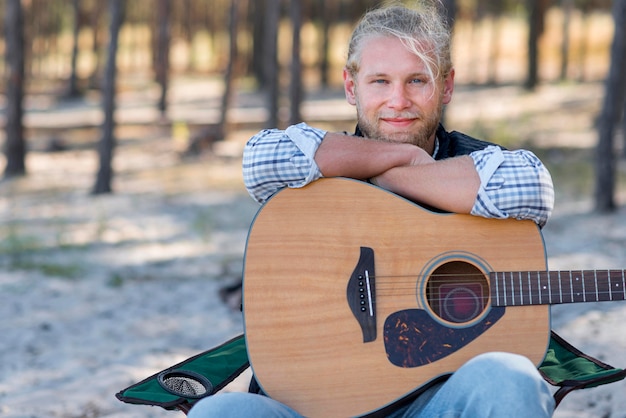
x=421, y=136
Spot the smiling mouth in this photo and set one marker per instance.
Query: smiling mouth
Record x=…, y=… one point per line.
x=399, y=122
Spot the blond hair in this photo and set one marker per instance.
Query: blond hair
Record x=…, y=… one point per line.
x=423, y=31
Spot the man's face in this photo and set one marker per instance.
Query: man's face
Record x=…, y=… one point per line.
x=395, y=98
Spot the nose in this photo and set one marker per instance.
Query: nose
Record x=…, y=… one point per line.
x=399, y=97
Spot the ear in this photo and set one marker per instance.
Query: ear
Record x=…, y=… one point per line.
x=448, y=87
x=349, y=85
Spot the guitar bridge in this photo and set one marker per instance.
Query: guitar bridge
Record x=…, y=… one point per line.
x=361, y=294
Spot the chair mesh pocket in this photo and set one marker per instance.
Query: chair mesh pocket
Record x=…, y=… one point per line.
x=185, y=383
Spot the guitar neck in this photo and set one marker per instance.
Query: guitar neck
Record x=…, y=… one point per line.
x=554, y=287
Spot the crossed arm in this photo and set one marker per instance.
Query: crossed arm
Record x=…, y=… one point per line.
x=405, y=169
x=490, y=183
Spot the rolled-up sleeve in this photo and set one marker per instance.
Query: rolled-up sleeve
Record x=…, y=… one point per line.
x=274, y=159
x=514, y=184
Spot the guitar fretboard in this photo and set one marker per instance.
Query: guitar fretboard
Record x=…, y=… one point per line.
x=554, y=287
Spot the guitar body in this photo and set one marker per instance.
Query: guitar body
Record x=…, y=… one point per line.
x=306, y=344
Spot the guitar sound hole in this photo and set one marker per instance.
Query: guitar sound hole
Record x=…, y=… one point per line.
x=457, y=292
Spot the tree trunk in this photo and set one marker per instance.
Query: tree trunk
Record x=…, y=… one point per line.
x=208, y=136
x=107, y=142
x=270, y=56
x=15, y=145
x=624, y=129
x=72, y=88
x=329, y=13
x=567, y=6
x=96, y=12
x=257, y=62
x=229, y=76
x=612, y=109
x=295, y=87
x=164, y=11
x=536, y=15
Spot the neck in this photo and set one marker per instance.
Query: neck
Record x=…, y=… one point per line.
x=555, y=287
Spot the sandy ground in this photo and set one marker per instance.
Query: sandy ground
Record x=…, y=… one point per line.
x=97, y=293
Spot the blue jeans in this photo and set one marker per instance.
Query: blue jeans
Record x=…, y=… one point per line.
x=489, y=385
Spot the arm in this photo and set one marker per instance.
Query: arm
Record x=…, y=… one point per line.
x=514, y=184
x=451, y=185
x=274, y=159
x=356, y=157
x=491, y=183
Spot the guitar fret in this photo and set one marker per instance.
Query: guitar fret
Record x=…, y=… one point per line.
x=512, y=291
x=521, y=289
x=611, y=283
x=558, y=286
x=616, y=286
x=549, y=290
x=595, y=276
x=565, y=284
x=578, y=287
x=500, y=293
x=544, y=290
x=501, y=302
x=606, y=285
x=603, y=285
x=620, y=295
x=513, y=288
x=496, y=287
x=539, y=289
x=504, y=289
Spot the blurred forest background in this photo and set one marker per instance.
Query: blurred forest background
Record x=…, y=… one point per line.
x=71, y=52
x=123, y=217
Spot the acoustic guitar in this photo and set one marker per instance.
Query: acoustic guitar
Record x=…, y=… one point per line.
x=356, y=299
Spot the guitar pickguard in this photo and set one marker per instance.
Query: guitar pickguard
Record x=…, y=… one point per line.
x=413, y=338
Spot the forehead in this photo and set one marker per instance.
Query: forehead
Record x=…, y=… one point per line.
x=387, y=54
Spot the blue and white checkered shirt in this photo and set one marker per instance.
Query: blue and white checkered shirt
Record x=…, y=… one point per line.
x=514, y=184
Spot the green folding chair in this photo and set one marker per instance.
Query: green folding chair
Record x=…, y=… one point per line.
x=180, y=386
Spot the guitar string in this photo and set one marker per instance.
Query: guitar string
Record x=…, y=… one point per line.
x=543, y=273
x=601, y=296
x=387, y=288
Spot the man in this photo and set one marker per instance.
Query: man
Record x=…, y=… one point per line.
x=399, y=76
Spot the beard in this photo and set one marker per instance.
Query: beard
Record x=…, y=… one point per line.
x=421, y=135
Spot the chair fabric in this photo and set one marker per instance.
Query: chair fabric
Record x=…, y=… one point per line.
x=564, y=366
x=570, y=369
x=209, y=371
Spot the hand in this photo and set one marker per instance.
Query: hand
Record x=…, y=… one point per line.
x=420, y=157
x=417, y=156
